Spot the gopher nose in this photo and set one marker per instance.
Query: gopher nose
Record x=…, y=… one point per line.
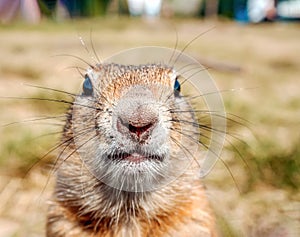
x=137, y=114
x=137, y=122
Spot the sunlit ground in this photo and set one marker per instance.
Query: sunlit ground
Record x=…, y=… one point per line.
x=254, y=190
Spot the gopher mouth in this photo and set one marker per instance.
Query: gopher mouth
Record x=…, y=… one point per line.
x=134, y=157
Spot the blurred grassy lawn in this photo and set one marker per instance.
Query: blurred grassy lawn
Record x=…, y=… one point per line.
x=266, y=167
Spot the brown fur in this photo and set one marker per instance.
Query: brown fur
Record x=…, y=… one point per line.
x=86, y=207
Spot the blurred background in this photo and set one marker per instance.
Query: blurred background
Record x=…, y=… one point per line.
x=240, y=10
x=252, y=51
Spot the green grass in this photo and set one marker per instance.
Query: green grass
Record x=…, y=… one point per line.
x=280, y=169
x=24, y=148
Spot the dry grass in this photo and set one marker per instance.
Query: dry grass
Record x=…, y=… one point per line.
x=268, y=203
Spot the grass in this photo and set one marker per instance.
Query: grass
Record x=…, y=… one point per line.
x=280, y=169
x=26, y=72
x=263, y=153
x=23, y=150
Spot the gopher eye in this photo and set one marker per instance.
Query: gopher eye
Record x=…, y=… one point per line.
x=176, y=88
x=87, y=86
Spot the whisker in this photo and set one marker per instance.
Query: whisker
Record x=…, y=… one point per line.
x=93, y=48
x=68, y=142
x=72, y=95
x=207, y=147
x=51, y=100
x=197, y=125
x=51, y=89
x=216, y=114
x=189, y=43
x=219, y=91
x=33, y=120
x=196, y=65
x=78, y=68
x=49, y=134
x=195, y=73
x=77, y=57
x=231, y=175
x=187, y=135
x=224, y=163
x=86, y=48
x=239, y=153
x=186, y=150
x=197, y=134
x=175, y=48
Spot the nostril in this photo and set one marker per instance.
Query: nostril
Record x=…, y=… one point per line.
x=139, y=130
